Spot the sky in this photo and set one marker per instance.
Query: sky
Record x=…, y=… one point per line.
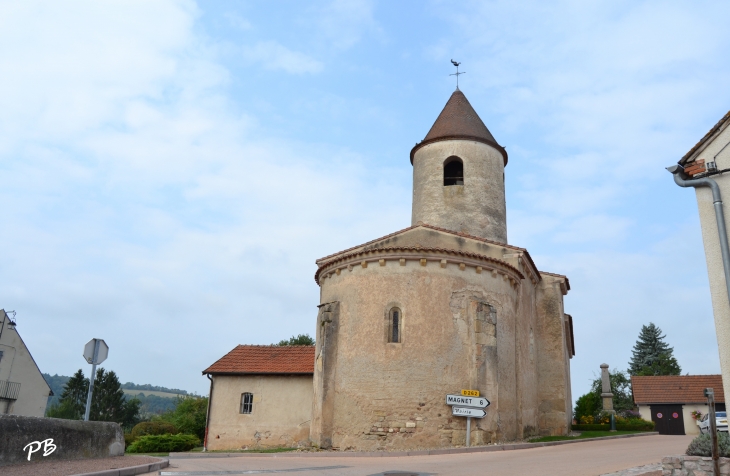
x=170, y=170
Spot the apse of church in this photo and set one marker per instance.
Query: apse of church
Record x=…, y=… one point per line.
x=441, y=306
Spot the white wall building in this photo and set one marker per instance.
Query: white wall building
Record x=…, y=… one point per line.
x=705, y=168
x=23, y=390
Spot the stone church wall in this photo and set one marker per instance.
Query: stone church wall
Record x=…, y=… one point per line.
x=554, y=360
x=458, y=331
x=477, y=207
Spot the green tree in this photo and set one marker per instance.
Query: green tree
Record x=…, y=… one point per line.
x=72, y=403
x=301, y=339
x=107, y=403
x=651, y=355
x=188, y=415
x=131, y=413
x=591, y=403
x=587, y=405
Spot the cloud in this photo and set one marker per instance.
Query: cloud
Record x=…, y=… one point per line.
x=147, y=211
x=148, y=199
x=343, y=23
x=273, y=56
x=592, y=101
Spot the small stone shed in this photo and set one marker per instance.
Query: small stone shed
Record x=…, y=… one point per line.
x=670, y=400
x=260, y=396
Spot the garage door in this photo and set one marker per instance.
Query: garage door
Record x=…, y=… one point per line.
x=668, y=419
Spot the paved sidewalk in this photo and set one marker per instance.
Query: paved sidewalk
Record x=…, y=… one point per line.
x=588, y=458
x=85, y=466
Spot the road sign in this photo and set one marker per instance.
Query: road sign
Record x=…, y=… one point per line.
x=101, y=355
x=95, y=352
x=470, y=393
x=468, y=412
x=477, y=402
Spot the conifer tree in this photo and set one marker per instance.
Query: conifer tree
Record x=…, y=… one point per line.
x=108, y=402
x=651, y=355
x=72, y=404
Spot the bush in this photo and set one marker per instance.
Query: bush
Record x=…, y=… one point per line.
x=586, y=406
x=188, y=415
x=702, y=445
x=627, y=425
x=629, y=414
x=152, y=428
x=163, y=443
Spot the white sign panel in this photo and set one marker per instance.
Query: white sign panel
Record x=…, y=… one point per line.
x=89, y=351
x=468, y=412
x=462, y=401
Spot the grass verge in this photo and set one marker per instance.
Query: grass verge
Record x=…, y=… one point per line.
x=147, y=454
x=200, y=449
x=584, y=435
x=262, y=450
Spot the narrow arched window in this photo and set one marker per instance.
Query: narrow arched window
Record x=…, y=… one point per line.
x=395, y=325
x=453, y=171
x=246, y=403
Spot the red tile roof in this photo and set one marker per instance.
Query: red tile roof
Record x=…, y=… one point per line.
x=459, y=120
x=720, y=124
x=676, y=389
x=265, y=359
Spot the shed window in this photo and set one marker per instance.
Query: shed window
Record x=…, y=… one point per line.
x=246, y=403
x=395, y=325
x=453, y=171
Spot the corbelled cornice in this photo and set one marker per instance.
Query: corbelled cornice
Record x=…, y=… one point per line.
x=402, y=254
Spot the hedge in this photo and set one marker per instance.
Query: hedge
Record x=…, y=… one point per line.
x=163, y=443
x=152, y=428
x=639, y=425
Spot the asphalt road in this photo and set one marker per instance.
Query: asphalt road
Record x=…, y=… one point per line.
x=577, y=459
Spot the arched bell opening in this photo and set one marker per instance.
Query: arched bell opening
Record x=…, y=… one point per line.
x=453, y=171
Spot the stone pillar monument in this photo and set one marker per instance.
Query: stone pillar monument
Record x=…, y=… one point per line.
x=606, y=394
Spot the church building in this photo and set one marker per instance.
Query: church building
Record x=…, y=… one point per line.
x=443, y=305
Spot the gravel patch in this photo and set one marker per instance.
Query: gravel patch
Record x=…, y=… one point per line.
x=80, y=466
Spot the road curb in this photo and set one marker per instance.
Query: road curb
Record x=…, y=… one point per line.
x=130, y=470
x=385, y=454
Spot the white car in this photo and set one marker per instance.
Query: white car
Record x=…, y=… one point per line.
x=720, y=419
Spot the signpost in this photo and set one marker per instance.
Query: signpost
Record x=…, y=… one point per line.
x=469, y=404
x=468, y=412
x=476, y=402
x=95, y=352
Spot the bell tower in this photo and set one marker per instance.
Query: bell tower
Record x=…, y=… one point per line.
x=458, y=174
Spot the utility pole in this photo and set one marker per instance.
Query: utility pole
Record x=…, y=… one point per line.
x=710, y=394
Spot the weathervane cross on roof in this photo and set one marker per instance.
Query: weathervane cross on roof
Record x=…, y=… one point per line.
x=457, y=72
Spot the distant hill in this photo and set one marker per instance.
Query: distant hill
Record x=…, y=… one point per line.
x=56, y=382
x=154, y=388
x=154, y=398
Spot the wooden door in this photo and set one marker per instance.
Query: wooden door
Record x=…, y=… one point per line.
x=668, y=419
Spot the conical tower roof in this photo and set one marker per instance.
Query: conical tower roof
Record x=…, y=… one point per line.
x=458, y=120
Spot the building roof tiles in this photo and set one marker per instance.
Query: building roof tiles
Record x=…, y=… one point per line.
x=459, y=120
x=265, y=359
x=675, y=388
x=717, y=127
